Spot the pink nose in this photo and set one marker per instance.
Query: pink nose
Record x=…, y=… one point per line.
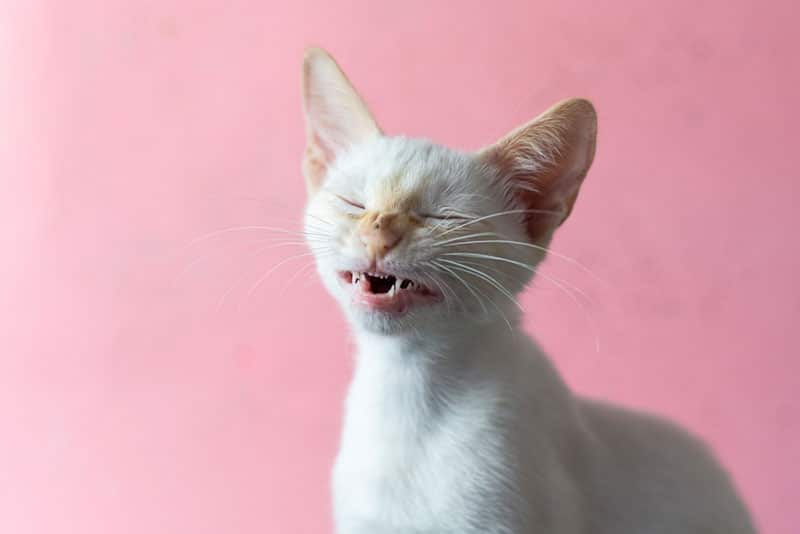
x=381, y=232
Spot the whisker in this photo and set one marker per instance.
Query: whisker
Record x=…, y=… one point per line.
x=466, y=236
x=250, y=228
x=317, y=231
x=240, y=279
x=445, y=287
x=491, y=301
x=296, y=274
x=546, y=277
x=487, y=278
x=282, y=240
x=547, y=250
x=320, y=219
x=500, y=214
x=575, y=288
x=491, y=257
x=273, y=269
x=465, y=284
x=302, y=221
x=587, y=316
x=495, y=270
x=204, y=257
x=589, y=300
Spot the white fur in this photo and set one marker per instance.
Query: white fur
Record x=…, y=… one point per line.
x=455, y=421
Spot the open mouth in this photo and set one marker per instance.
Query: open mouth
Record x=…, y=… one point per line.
x=386, y=292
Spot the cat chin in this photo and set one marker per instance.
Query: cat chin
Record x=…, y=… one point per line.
x=416, y=320
x=378, y=322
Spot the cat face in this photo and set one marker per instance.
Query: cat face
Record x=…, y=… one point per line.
x=409, y=235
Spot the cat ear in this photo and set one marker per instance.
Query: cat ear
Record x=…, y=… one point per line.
x=336, y=116
x=541, y=164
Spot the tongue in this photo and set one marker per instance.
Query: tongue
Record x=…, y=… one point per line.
x=380, y=285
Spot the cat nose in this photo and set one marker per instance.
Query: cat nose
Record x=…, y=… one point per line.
x=381, y=232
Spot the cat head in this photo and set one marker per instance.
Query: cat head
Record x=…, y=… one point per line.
x=409, y=235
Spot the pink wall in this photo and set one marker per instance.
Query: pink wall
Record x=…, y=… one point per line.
x=129, y=403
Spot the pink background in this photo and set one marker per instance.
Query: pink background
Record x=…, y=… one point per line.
x=130, y=403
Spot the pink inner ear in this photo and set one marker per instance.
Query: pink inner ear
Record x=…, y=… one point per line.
x=542, y=193
x=542, y=185
x=543, y=163
x=314, y=165
x=336, y=116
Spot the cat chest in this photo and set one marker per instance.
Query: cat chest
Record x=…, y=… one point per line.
x=418, y=474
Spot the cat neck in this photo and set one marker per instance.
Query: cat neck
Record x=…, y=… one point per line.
x=435, y=355
x=404, y=383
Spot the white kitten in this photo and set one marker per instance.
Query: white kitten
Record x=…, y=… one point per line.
x=455, y=420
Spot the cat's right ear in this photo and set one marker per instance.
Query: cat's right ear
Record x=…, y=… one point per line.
x=336, y=116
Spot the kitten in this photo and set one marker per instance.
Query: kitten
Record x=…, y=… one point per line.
x=455, y=420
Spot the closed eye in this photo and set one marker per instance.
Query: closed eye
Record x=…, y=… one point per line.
x=350, y=202
x=439, y=217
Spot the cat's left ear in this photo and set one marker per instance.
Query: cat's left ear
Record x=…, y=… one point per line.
x=336, y=116
x=542, y=164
